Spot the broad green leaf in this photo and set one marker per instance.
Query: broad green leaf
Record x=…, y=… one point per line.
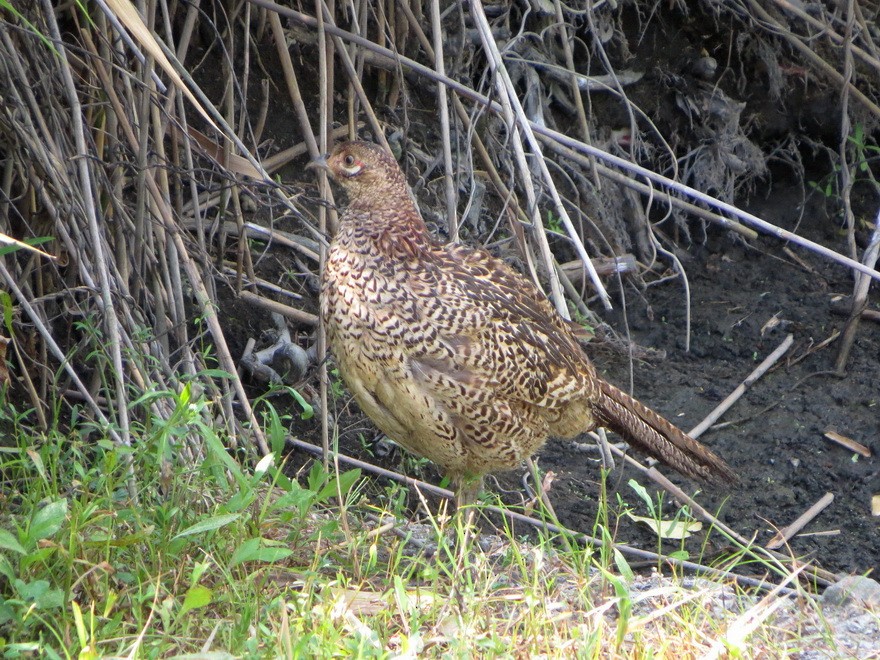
x=623, y=567
x=9, y=542
x=346, y=481
x=208, y=524
x=6, y=568
x=185, y=395
x=265, y=463
x=317, y=477
x=38, y=463
x=256, y=550
x=40, y=593
x=247, y=551
x=669, y=529
x=276, y=431
x=219, y=451
x=240, y=500
x=641, y=492
x=196, y=596
x=48, y=520
x=215, y=373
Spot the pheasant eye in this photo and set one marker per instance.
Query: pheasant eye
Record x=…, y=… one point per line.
x=348, y=160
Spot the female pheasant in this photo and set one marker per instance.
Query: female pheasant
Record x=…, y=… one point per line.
x=453, y=354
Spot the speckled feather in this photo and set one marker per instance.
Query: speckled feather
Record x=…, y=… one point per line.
x=453, y=354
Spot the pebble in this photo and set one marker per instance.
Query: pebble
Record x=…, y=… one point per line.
x=853, y=590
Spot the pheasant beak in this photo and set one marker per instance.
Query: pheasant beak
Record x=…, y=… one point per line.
x=319, y=162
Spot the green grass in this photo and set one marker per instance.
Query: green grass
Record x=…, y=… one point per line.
x=218, y=558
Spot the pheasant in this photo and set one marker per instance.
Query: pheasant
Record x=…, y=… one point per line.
x=452, y=353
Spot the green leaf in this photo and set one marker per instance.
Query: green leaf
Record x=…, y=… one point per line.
x=240, y=500
x=265, y=463
x=297, y=498
x=859, y=134
x=185, y=396
x=346, y=481
x=196, y=596
x=642, y=493
x=48, y=520
x=5, y=4
x=259, y=550
x=214, y=373
x=9, y=542
x=153, y=395
x=247, y=551
x=219, y=451
x=198, y=571
x=35, y=556
x=208, y=524
x=38, y=463
x=33, y=242
x=6, y=301
x=273, y=554
x=282, y=481
x=7, y=614
x=40, y=593
x=308, y=412
x=276, y=431
x=6, y=568
x=80, y=624
x=317, y=477
x=669, y=529
x=622, y=566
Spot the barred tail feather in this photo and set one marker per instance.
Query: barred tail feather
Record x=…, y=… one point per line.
x=649, y=432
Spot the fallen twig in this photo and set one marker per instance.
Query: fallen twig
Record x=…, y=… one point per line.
x=732, y=398
x=849, y=443
x=784, y=535
x=261, y=283
x=812, y=349
x=285, y=310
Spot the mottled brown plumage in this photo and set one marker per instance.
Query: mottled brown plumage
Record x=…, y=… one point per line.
x=452, y=353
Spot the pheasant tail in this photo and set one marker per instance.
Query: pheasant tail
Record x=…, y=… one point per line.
x=643, y=428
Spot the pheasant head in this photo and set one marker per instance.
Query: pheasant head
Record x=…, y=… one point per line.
x=370, y=177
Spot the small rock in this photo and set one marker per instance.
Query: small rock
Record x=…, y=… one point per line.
x=853, y=589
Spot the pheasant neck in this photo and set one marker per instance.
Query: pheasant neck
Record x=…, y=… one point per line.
x=389, y=230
